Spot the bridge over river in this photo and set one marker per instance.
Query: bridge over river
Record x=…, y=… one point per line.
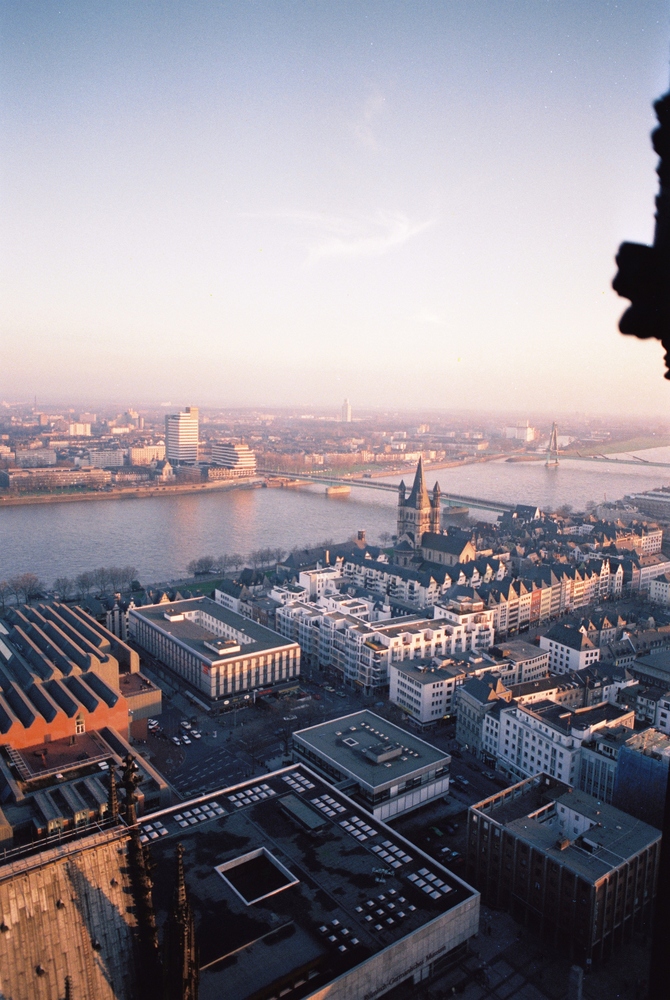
x=448, y=499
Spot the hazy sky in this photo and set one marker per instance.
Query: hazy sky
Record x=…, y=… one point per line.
x=261, y=201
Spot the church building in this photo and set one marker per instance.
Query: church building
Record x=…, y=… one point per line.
x=418, y=514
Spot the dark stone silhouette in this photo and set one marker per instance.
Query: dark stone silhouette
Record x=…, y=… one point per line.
x=644, y=272
x=181, y=956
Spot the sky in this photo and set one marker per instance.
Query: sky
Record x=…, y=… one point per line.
x=264, y=202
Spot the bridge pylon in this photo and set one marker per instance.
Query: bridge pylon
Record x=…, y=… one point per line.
x=552, y=448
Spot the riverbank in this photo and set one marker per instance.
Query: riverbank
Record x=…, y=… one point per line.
x=129, y=493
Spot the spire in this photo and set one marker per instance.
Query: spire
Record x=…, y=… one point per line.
x=436, y=490
x=418, y=498
x=112, y=798
x=130, y=780
x=181, y=954
x=402, y=490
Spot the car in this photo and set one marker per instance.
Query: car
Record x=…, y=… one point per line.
x=103, y=765
x=456, y=753
x=186, y=740
x=340, y=694
x=186, y=725
x=290, y=718
x=176, y=741
x=329, y=688
x=196, y=735
x=152, y=722
x=490, y=775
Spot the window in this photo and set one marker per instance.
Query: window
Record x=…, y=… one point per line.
x=79, y=725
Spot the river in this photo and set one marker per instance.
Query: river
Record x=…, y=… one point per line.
x=161, y=535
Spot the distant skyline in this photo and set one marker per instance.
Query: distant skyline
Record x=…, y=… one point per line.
x=414, y=206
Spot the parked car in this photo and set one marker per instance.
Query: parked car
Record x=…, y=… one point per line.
x=176, y=741
x=186, y=740
x=196, y=735
x=186, y=725
x=456, y=753
x=340, y=694
x=490, y=775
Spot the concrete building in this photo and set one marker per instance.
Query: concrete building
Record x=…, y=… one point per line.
x=238, y=459
x=181, y=436
x=641, y=777
x=79, y=430
x=107, y=458
x=320, y=581
x=578, y=870
x=523, y=662
x=35, y=458
x=471, y=624
x=62, y=675
x=345, y=413
x=215, y=652
x=388, y=770
x=44, y=480
x=147, y=454
x=474, y=700
x=569, y=648
x=276, y=898
x=425, y=690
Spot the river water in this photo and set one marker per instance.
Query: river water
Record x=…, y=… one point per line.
x=161, y=535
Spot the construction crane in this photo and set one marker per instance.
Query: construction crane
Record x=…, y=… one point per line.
x=552, y=448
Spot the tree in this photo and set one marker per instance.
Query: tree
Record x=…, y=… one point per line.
x=115, y=576
x=236, y=560
x=128, y=574
x=223, y=562
x=279, y=554
x=63, y=587
x=205, y=564
x=84, y=583
x=5, y=591
x=25, y=586
x=385, y=537
x=101, y=580
x=255, y=557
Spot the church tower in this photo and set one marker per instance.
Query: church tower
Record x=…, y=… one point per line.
x=418, y=512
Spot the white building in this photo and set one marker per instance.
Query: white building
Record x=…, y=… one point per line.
x=659, y=590
x=569, y=648
x=424, y=691
x=322, y=580
x=361, y=651
x=181, y=436
x=147, y=454
x=469, y=622
x=79, y=430
x=548, y=737
x=346, y=412
x=239, y=458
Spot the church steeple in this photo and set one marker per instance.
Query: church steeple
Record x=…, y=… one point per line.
x=418, y=498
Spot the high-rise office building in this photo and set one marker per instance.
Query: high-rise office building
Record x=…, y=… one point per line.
x=346, y=412
x=181, y=436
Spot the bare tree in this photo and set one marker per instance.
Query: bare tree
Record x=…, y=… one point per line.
x=16, y=587
x=205, y=564
x=278, y=554
x=63, y=587
x=255, y=557
x=385, y=537
x=129, y=573
x=223, y=562
x=5, y=591
x=115, y=576
x=236, y=560
x=101, y=580
x=30, y=586
x=84, y=583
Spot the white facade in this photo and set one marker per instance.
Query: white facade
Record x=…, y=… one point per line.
x=79, y=430
x=147, y=454
x=239, y=458
x=181, y=436
x=362, y=650
x=346, y=412
x=470, y=622
x=323, y=580
x=563, y=658
x=112, y=458
x=426, y=694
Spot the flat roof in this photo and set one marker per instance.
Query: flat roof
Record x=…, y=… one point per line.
x=532, y=811
x=344, y=742
x=258, y=637
x=424, y=672
x=354, y=886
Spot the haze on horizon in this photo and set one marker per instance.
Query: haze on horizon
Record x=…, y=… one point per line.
x=415, y=205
